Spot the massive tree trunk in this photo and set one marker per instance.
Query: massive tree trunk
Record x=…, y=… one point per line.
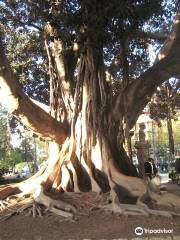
x=92, y=157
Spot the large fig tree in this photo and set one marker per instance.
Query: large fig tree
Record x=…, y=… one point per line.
x=95, y=55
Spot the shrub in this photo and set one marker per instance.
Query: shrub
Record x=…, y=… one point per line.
x=172, y=174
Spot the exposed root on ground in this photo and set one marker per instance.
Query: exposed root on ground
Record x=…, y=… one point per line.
x=71, y=206
x=58, y=207
x=166, y=199
x=31, y=198
x=29, y=206
x=37, y=204
x=134, y=209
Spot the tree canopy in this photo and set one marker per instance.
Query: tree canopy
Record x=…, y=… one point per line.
x=166, y=103
x=124, y=29
x=165, y=107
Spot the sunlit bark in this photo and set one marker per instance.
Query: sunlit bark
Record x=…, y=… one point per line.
x=29, y=113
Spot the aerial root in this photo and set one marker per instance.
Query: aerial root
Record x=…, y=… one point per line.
x=57, y=207
x=37, y=205
x=3, y=204
x=36, y=210
x=30, y=208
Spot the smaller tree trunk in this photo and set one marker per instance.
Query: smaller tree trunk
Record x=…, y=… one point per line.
x=171, y=138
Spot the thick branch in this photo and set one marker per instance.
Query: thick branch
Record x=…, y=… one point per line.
x=161, y=37
x=25, y=110
x=146, y=86
x=167, y=65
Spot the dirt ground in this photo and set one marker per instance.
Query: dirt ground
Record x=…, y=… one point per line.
x=96, y=225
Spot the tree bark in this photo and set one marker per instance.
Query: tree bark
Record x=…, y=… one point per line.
x=26, y=110
x=170, y=138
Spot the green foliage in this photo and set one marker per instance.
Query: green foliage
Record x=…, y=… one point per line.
x=162, y=132
x=8, y=155
x=42, y=159
x=19, y=167
x=161, y=138
x=161, y=151
x=4, y=134
x=166, y=103
x=11, y=158
x=165, y=106
x=172, y=174
x=27, y=149
x=24, y=51
x=108, y=25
